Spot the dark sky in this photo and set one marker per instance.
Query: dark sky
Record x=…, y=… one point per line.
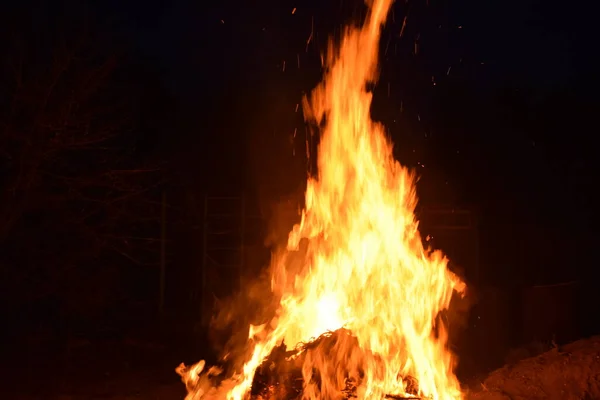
x=230, y=55
x=225, y=60
x=224, y=63
x=529, y=39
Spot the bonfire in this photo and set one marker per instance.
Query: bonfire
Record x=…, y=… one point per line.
x=361, y=317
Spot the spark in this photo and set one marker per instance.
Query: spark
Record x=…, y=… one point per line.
x=307, y=149
x=312, y=30
x=403, y=25
x=417, y=44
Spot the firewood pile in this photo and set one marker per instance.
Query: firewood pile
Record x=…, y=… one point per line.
x=280, y=375
x=570, y=372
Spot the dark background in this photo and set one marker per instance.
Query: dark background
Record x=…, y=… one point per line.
x=112, y=111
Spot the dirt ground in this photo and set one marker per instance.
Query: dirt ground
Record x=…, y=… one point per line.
x=570, y=372
x=115, y=371
x=140, y=365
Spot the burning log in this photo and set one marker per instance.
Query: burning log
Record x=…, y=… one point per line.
x=280, y=375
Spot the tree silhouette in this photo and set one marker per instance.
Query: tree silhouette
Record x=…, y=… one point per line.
x=77, y=196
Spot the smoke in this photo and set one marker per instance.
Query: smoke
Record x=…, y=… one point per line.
x=256, y=303
x=456, y=317
x=229, y=328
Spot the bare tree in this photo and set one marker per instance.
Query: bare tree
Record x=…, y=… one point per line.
x=73, y=188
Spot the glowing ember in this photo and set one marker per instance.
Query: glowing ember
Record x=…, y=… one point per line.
x=365, y=267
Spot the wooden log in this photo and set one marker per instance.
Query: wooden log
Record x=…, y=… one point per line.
x=280, y=375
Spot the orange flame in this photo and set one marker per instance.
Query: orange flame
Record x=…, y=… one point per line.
x=365, y=269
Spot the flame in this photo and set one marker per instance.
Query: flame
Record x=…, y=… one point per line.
x=365, y=267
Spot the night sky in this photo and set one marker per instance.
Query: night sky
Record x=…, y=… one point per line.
x=540, y=41
x=495, y=103
x=492, y=102
x=474, y=104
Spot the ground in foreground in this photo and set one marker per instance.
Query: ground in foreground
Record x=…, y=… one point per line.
x=137, y=370
x=570, y=372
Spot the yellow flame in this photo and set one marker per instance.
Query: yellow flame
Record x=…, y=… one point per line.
x=365, y=268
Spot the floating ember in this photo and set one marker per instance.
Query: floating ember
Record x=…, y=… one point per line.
x=365, y=273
